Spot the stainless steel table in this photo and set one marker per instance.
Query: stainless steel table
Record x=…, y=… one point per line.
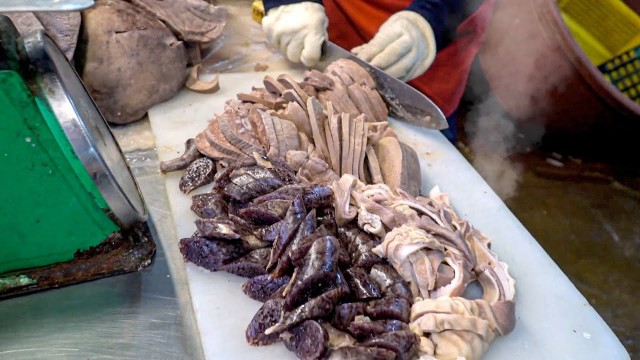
x=144, y=315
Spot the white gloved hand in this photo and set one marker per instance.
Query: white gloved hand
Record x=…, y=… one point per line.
x=403, y=47
x=298, y=30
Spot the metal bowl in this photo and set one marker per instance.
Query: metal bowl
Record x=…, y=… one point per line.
x=59, y=85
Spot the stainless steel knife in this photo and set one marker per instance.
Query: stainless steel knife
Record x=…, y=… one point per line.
x=404, y=102
x=44, y=5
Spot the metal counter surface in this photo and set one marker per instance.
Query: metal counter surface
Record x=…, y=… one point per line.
x=143, y=315
x=149, y=314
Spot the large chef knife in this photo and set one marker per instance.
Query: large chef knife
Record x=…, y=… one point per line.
x=44, y=5
x=404, y=102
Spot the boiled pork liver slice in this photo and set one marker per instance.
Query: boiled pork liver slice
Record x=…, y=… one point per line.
x=296, y=113
x=290, y=132
x=373, y=166
x=412, y=176
x=389, y=155
x=219, y=142
x=274, y=86
x=226, y=122
x=346, y=161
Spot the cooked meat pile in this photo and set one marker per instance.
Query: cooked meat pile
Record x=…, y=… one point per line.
x=330, y=124
x=311, y=203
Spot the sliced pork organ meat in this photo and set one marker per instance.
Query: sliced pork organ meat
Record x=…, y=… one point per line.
x=290, y=132
x=361, y=100
x=335, y=128
x=317, y=196
x=376, y=131
x=230, y=130
x=299, y=249
x=241, y=126
x=218, y=228
x=334, y=154
x=389, y=307
x=373, y=166
x=309, y=90
x=366, y=328
x=296, y=158
x=282, y=144
x=355, y=127
x=357, y=148
x=390, y=282
x=379, y=106
x=274, y=86
x=318, y=273
x=251, y=265
x=291, y=95
x=339, y=97
x=209, y=254
x=389, y=154
x=203, y=145
x=265, y=213
x=298, y=115
x=267, y=316
x=199, y=173
x=306, y=228
x=309, y=340
x=412, y=176
x=290, y=83
x=345, y=314
x=316, y=308
x=250, y=182
x=355, y=72
x=361, y=285
x=318, y=80
x=303, y=139
x=317, y=119
x=258, y=128
x=292, y=220
x=340, y=77
x=237, y=105
x=287, y=192
x=267, y=101
x=359, y=244
x=220, y=143
x=362, y=151
x=263, y=126
x=361, y=353
x=346, y=161
x=402, y=343
x=209, y=205
x=317, y=170
x=338, y=338
x=262, y=287
x=189, y=155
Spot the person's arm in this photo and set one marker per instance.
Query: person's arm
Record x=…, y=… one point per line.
x=437, y=13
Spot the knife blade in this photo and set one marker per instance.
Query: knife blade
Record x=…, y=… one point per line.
x=405, y=103
x=44, y=5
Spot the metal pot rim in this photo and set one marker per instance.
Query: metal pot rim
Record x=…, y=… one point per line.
x=88, y=133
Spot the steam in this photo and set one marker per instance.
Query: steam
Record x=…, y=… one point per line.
x=493, y=138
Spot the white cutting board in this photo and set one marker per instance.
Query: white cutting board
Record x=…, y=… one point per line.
x=554, y=321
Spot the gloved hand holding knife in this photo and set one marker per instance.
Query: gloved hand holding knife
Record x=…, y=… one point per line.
x=429, y=43
x=404, y=45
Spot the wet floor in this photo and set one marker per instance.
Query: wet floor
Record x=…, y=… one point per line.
x=589, y=223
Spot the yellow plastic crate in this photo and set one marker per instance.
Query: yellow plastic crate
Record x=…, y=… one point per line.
x=604, y=29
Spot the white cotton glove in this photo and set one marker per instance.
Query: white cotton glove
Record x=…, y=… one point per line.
x=403, y=47
x=298, y=30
